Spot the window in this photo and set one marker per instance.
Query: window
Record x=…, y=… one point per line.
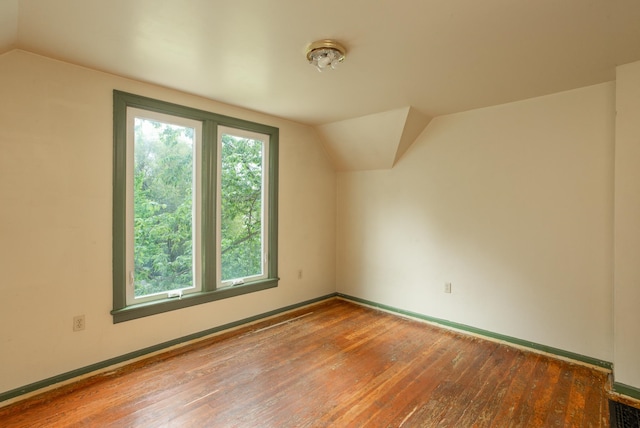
x=242, y=208
x=163, y=206
x=195, y=207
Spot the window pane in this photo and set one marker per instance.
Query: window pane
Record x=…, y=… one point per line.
x=163, y=207
x=241, y=207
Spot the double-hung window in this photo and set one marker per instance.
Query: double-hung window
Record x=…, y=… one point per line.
x=195, y=207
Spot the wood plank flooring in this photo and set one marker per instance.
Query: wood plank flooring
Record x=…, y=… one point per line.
x=334, y=364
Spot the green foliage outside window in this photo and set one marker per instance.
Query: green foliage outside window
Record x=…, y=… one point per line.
x=241, y=207
x=163, y=206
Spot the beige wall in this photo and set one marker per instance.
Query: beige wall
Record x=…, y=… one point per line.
x=627, y=226
x=55, y=222
x=511, y=204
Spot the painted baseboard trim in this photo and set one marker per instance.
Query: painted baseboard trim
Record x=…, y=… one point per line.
x=103, y=365
x=627, y=390
x=486, y=333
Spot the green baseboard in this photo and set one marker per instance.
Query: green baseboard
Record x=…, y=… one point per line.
x=141, y=352
x=627, y=390
x=486, y=333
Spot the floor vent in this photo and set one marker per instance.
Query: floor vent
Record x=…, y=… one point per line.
x=623, y=416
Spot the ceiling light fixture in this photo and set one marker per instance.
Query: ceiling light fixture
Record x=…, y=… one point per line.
x=325, y=53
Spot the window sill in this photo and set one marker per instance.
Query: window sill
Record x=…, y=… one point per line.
x=165, y=305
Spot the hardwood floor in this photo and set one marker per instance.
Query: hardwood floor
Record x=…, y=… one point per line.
x=335, y=364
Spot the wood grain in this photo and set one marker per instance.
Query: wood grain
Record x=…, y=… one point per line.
x=333, y=364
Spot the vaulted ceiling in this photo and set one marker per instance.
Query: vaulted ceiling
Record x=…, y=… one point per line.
x=425, y=57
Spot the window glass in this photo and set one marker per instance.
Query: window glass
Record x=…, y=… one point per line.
x=164, y=214
x=243, y=207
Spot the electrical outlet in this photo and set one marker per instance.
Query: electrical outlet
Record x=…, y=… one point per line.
x=447, y=287
x=78, y=323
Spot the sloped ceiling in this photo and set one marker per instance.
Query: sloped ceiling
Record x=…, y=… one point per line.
x=375, y=141
x=432, y=56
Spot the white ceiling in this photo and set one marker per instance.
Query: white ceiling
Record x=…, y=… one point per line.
x=436, y=56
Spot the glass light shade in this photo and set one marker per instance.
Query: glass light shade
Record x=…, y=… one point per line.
x=325, y=53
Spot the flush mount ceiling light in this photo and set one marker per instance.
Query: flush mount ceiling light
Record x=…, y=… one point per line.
x=325, y=53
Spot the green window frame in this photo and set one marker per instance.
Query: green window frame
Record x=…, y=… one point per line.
x=210, y=286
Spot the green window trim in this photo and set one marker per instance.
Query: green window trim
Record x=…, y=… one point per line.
x=210, y=122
